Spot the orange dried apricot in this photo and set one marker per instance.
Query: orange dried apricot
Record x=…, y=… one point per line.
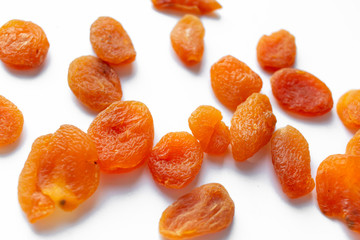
x=94, y=82
x=110, y=41
x=23, y=44
x=276, y=51
x=60, y=171
x=291, y=160
x=353, y=146
x=301, y=92
x=348, y=109
x=337, y=187
x=123, y=134
x=176, y=160
x=187, y=39
x=193, y=6
x=233, y=81
x=206, y=209
x=252, y=126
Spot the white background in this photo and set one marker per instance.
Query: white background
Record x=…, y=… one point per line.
x=129, y=206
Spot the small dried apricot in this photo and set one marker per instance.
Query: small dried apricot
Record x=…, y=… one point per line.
x=206, y=209
x=252, y=126
x=301, y=92
x=176, y=160
x=348, y=109
x=23, y=44
x=291, y=160
x=353, y=146
x=196, y=7
x=233, y=81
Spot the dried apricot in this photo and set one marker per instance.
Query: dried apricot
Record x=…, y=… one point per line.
x=348, y=109
x=206, y=209
x=291, y=160
x=276, y=51
x=94, y=82
x=301, y=92
x=206, y=125
x=23, y=44
x=353, y=146
x=193, y=6
x=110, y=41
x=337, y=187
x=252, y=126
x=60, y=171
x=123, y=134
x=176, y=160
x=187, y=39
x=233, y=81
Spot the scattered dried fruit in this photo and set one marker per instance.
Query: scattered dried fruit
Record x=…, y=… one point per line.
x=348, y=109
x=353, y=146
x=196, y=7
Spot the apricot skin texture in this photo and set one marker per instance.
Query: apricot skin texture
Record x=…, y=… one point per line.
x=194, y=6
x=348, y=109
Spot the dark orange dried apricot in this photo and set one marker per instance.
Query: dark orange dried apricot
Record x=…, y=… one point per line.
x=176, y=160
x=193, y=6
x=353, y=146
x=206, y=209
x=291, y=160
x=233, y=81
x=348, y=109
x=301, y=92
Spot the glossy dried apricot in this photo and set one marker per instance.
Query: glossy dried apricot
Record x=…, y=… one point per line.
x=291, y=161
x=123, y=134
x=348, y=109
x=233, y=81
x=176, y=160
x=337, y=187
x=193, y=6
x=252, y=126
x=353, y=146
x=60, y=171
x=276, y=51
x=187, y=39
x=94, y=82
x=206, y=209
x=110, y=41
x=23, y=44
x=300, y=92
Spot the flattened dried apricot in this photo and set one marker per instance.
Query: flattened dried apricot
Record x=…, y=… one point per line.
x=176, y=160
x=60, y=170
x=110, y=41
x=233, y=81
x=291, y=160
x=23, y=45
x=123, y=134
x=301, y=92
x=348, y=109
x=206, y=209
x=194, y=6
x=94, y=82
x=353, y=146
x=252, y=126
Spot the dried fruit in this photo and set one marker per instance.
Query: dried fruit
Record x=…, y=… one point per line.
x=337, y=187
x=252, y=126
x=348, y=109
x=196, y=7
x=123, y=134
x=94, y=82
x=187, y=39
x=233, y=81
x=291, y=160
x=110, y=41
x=276, y=51
x=301, y=92
x=23, y=44
x=176, y=160
x=353, y=146
x=206, y=209
x=60, y=171
x=206, y=125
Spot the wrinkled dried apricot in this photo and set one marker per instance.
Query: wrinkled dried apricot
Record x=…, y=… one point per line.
x=206, y=125
x=301, y=92
x=233, y=81
x=206, y=209
x=194, y=6
x=23, y=44
x=252, y=126
x=187, y=39
x=276, y=51
x=110, y=41
x=337, y=187
x=94, y=82
x=353, y=146
x=176, y=160
x=60, y=171
x=348, y=109
x=291, y=160
x=123, y=134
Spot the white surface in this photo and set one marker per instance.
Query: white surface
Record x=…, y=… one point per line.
x=128, y=206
